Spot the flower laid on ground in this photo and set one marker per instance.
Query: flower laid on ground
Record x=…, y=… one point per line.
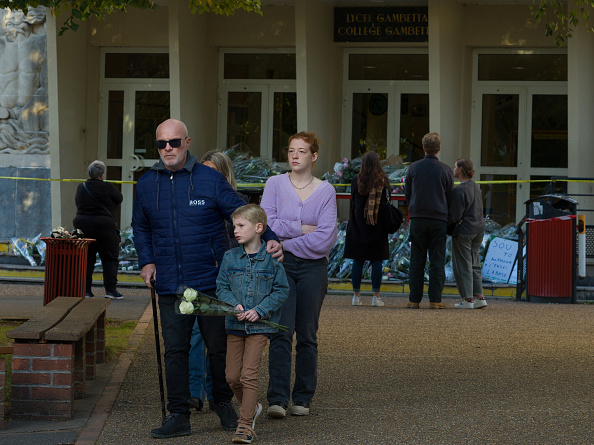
x=193, y=302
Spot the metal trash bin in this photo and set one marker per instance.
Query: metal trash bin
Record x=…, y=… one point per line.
x=551, y=249
x=65, y=268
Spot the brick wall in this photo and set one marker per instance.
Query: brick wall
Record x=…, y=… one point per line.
x=42, y=381
x=2, y=389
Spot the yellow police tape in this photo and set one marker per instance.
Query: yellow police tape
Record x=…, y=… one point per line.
x=259, y=185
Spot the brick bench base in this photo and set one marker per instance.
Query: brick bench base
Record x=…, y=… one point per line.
x=50, y=367
x=2, y=389
x=42, y=381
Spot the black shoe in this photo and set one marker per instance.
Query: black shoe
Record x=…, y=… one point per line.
x=176, y=424
x=196, y=403
x=227, y=414
x=114, y=295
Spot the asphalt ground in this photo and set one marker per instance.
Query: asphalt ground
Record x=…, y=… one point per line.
x=512, y=373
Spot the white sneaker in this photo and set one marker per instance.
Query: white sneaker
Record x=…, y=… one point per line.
x=479, y=304
x=277, y=411
x=357, y=301
x=300, y=409
x=376, y=301
x=257, y=412
x=464, y=305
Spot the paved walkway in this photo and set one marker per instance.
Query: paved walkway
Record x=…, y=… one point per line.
x=513, y=373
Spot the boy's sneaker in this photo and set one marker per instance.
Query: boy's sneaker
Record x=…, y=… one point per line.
x=375, y=301
x=114, y=295
x=243, y=435
x=256, y=414
x=300, y=409
x=89, y=295
x=464, y=304
x=277, y=410
x=176, y=424
x=357, y=301
x=227, y=414
x=480, y=303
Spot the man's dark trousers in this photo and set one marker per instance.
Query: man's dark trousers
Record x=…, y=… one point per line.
x=177, y=331
x=427, y=235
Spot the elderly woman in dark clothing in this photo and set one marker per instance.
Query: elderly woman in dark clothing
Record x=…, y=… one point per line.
x=466, y=209
x=96, y=204
x=366, y=236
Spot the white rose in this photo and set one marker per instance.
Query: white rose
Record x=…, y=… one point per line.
x=186, y=307
x=190, y=294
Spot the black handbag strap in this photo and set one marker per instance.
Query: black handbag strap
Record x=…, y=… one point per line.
x=100, y=203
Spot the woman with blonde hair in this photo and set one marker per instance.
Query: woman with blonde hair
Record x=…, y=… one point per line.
x=200, y=381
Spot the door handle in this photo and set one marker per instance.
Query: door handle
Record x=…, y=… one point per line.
x=139, y=162
x=137, y=165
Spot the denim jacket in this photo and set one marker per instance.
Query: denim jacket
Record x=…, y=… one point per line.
x=258, y=283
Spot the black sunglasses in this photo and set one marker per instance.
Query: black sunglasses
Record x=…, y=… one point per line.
x=173, y=143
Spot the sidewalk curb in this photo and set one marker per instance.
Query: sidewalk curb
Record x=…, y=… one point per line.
x=92, y=429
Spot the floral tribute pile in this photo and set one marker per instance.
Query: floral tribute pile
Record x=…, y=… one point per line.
x=397, y=266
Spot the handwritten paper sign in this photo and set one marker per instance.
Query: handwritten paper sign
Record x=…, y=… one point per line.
x=500, y=261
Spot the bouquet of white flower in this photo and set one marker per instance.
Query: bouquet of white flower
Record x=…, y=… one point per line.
x=194, y=302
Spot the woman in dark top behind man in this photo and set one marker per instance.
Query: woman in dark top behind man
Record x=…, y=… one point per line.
x=366, y=236
x=466, y=209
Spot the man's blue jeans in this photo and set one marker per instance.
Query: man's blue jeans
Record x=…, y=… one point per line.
x=200, y=379
x=308, y=283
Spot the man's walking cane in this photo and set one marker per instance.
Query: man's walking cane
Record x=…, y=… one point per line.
x=158, y=345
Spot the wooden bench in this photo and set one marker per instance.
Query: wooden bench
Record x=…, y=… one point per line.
x=55, y=353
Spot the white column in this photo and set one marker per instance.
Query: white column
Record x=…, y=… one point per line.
x=319, y=77
x=445, y=75
x=580, y=91
x=54, y=110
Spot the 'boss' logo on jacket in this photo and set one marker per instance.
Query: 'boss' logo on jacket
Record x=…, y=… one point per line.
x=197, y=202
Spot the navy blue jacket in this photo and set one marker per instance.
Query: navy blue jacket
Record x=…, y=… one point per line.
x=178, y=224
x=428, y=188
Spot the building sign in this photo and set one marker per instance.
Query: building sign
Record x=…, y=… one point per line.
x=405, y=24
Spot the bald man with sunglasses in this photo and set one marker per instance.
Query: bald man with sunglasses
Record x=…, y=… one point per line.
x=179, y=232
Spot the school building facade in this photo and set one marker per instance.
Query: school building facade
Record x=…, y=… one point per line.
x=364, y=75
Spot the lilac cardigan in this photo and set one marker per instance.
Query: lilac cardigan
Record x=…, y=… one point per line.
x=286, y=213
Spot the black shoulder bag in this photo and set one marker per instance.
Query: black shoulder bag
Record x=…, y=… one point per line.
x=392, y=217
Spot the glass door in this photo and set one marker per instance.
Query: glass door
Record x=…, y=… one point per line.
x=130, y=113
x=518, y=133
x=388, y=119
x=258, y=119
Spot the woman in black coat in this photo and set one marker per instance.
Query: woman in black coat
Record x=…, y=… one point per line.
x=96, y=204
x=366, y=236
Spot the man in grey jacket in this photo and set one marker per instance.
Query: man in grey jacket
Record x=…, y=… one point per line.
x=429, y=188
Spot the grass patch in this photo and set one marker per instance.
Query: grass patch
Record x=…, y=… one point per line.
x=117, y=334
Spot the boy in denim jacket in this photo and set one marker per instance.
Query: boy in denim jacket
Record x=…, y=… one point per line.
x=255, y=283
